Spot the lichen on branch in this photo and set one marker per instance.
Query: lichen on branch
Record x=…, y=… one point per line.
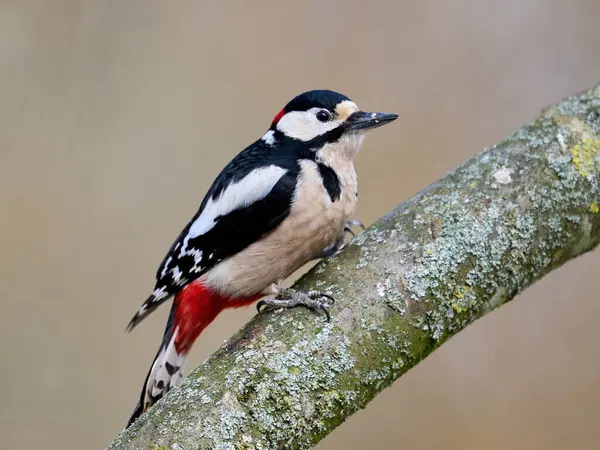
x=458, y=249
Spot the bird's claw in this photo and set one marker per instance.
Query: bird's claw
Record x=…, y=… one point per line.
x=353, y=223
x=290, y=298
x=339, y=244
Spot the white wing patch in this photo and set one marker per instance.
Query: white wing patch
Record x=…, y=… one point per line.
x=253, y=187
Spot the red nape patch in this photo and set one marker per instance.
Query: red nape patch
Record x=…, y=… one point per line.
x=196, y=307
x=278, y=116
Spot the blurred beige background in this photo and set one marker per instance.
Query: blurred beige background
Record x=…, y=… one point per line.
x=116, y=115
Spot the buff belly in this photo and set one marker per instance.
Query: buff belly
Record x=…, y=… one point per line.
x=315, y=222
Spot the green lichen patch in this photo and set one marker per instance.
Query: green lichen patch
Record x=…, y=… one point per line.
x=586, y=157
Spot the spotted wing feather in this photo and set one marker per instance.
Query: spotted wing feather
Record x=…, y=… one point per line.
x=248, y=200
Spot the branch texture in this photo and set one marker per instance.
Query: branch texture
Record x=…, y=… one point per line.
x=457, y=250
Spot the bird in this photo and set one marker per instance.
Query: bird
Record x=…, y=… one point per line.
x=283, y=201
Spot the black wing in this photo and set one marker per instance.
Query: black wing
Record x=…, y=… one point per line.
x=190, y=257
x=234, y=231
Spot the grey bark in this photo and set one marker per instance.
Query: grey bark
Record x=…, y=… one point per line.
x=460, y=248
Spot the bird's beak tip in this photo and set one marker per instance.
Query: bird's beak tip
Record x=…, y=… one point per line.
x=366, y=120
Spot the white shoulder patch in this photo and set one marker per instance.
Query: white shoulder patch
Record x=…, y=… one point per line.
x=253, y=187
x=269, y=138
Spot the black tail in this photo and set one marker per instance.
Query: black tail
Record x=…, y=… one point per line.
x=165, y=371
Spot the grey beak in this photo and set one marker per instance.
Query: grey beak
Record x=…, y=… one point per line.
x=366, y=120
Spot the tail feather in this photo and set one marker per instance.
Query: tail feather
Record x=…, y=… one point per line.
x=165, y=373
x=194, y=308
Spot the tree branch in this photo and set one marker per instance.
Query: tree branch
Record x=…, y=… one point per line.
x=460, y=248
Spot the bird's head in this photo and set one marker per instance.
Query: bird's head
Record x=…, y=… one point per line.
x=321, y=116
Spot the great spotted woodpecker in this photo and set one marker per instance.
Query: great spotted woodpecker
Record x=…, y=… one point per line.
x=280, y=203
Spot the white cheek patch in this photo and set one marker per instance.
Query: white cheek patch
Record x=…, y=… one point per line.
x=304, y=125
x=253, y=187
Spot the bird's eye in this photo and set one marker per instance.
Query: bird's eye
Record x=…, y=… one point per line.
x=323, y=116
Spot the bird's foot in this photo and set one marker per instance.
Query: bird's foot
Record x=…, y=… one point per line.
x=290, y=298
x=353, y=223
x=332, y=249
x=339, y=244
